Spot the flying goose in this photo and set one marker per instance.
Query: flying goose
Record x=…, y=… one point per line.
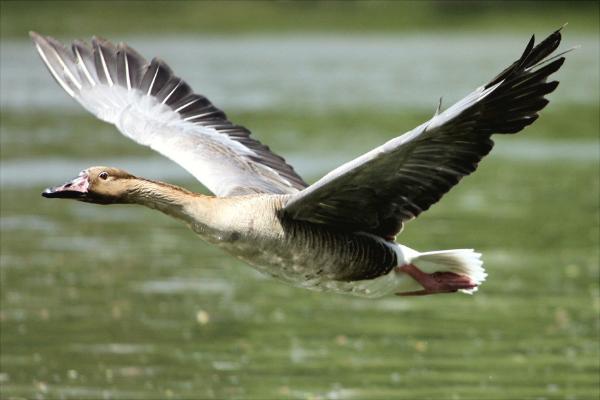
x=337, y=234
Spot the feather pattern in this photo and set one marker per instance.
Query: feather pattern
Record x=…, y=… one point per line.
x=152, y=106
x=399, y=180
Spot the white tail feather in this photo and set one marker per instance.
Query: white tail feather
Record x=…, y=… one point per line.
x=460, y=261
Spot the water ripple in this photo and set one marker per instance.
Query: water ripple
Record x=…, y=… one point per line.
x=28, y=172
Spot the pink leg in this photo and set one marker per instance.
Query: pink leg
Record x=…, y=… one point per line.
x=438, y=282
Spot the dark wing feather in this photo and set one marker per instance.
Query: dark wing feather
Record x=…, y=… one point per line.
x=393, y=183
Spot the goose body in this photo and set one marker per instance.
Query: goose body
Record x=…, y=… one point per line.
x=335, y=235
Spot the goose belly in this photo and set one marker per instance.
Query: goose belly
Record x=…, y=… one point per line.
x=309, y=257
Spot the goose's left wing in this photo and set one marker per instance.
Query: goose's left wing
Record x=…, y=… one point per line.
x=155, y=108
x=395, y=182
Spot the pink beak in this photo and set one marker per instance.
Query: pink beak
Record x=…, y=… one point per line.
x=75, y=189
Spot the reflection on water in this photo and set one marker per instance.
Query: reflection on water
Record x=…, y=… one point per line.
x=175, y=285
x=33, y=222
x=52, y=171
x=316, y=72
x=114, y=348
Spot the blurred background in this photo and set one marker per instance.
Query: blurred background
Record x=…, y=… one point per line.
x=124, y=303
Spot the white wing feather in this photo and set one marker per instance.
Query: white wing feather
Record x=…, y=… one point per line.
x=219, y=154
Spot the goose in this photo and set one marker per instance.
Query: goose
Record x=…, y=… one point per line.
x=336, y=235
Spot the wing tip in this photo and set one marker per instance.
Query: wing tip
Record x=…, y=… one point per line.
x=38, y=39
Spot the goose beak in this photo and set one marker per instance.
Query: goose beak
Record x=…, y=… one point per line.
x=75, y=189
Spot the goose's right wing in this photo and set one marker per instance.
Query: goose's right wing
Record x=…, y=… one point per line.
x=152, y=106
x=379, y=191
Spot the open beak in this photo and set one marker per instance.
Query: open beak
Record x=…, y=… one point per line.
x=75, y=189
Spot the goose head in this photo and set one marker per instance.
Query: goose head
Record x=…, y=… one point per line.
x=100, y=185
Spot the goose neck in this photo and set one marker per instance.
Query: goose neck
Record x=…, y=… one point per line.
x=169, y=199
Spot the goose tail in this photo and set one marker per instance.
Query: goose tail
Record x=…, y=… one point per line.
x=466, y=263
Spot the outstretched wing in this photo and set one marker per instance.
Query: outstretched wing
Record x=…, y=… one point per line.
x=152, y=106
x=397, y=181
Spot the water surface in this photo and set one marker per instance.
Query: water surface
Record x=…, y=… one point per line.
x=123, y=303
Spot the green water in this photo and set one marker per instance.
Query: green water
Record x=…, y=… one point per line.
x=121, y=302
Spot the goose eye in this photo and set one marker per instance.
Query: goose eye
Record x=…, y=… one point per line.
x=103, y=175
